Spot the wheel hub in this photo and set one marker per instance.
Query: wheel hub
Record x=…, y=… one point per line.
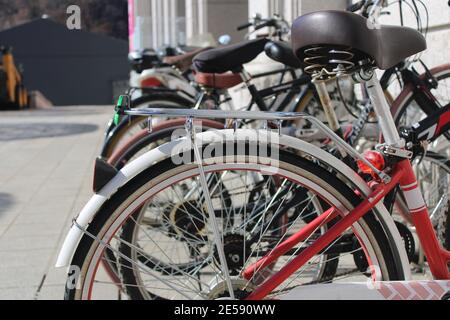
x=237, y=251
x=241, y=288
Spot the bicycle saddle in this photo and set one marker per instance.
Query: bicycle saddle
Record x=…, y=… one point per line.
x=217, y=81
x=229, y=58
x=184, y=61
x=340, y=37
x=282, y=52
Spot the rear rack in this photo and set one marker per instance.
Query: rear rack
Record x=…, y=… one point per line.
x=277, y=117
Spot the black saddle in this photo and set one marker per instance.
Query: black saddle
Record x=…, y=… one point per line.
x=344, y=31
x=184, y=62
x=229, y=58
x=282, y=52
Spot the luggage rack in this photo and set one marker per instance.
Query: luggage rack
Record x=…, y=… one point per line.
x=218, y=114
x=276, y=117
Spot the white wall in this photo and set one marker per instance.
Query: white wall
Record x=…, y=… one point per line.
x=169, y=22
x=439, y=28
x=224, y=16
x=158, y=23
x=291, y=9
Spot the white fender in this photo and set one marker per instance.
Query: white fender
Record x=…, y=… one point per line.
x=166, y=151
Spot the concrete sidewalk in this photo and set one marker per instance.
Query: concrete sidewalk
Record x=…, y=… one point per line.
x=46, y=164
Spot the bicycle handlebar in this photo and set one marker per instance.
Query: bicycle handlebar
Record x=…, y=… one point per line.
x=270, y=23
x=263, y=24
x=244, y=26
x=365, y=5
x=356, y=6
x=259, y=24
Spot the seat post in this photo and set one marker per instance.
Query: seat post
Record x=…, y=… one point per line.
x=383, y=111
x=253, y=90
x=327, y=105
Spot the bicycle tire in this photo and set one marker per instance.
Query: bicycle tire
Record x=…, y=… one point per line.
x=142, y=140
x=108, y=213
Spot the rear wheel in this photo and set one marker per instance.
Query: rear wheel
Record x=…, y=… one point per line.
x=433, y=175
x=139, y=144
x=174, y=254
x=433, y=169
x=407, y=112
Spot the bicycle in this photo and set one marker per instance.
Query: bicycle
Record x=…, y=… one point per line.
x=431, y=83
x=282, y=53
x=167, y=78
x=216, y=274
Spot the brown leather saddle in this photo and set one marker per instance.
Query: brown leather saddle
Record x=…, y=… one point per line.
x=343, y=31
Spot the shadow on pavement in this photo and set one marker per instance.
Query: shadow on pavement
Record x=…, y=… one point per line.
x=25, y=131
x=6, y=201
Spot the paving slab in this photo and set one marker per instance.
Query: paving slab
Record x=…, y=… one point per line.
x=46, y=162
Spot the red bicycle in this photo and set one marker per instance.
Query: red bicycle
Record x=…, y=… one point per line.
x=253, y=214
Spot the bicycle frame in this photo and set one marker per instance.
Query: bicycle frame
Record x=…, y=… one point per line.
x=402, y=175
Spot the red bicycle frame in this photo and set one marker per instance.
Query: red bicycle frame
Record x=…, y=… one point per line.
x=402, y=175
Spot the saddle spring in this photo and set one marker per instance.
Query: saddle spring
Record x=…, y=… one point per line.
x=326, y=62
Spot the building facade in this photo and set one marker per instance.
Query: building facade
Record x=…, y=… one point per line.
x=69, y=67
x=156, y=23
